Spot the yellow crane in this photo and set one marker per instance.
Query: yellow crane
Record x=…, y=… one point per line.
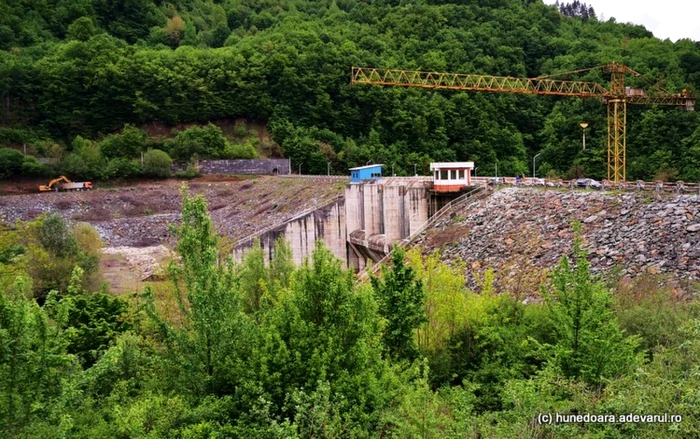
x=616, y=97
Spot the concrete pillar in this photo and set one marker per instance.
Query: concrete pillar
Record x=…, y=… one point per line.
x=331, y=226
x=416, y=207
x=373, y=209
x=353, y=208
x=301, y=235
x=355, y=260
x=393, y=203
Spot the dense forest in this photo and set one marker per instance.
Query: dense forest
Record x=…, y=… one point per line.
x=87, y=68
x=255, y=350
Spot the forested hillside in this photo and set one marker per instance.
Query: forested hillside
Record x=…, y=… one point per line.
x=86, y=68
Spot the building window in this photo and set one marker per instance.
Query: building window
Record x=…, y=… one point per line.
x=443, y=175
x=461, y=174
x=375, y=175
x=437, y=175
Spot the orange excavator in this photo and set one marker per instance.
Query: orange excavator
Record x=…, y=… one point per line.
x=62, y=183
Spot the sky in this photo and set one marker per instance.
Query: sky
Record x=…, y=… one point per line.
x=673, y=19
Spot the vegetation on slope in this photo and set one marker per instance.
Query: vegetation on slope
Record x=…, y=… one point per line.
x=273, y=350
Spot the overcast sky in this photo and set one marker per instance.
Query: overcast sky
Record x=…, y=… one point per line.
x=673, y=19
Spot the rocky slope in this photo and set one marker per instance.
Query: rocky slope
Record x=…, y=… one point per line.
x=521, y=233
x=140, y=215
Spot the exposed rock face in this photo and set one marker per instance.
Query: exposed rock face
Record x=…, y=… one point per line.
x=145, y=262
x=522, y=233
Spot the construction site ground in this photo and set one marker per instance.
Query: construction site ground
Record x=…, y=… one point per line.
x=133, y=218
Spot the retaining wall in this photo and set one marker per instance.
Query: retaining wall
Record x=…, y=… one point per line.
x=257, y=167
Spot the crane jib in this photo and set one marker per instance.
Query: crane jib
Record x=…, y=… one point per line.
x=616, y=97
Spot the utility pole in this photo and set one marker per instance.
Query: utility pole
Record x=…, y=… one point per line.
x=415, y=172
x=299, y=168
x=533, y=167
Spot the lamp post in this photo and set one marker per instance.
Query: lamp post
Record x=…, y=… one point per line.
x=584, y=125
x=496, y=171
x=533, y=167
x=299, y=168
x=415, y=172
x=475, y=171
x=392, y=170
x=329, y=168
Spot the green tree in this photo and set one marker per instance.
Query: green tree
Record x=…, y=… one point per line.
x=402, y=303
x=33, y=363
x=157, y=163
x=590, y=344
x=209, y=347
x=10, y=162
x=127, y=144
x=86, y=161
x=205, y=142
x=327, y=331
x=81, y=29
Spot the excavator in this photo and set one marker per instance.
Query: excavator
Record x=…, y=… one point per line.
x=66, y=185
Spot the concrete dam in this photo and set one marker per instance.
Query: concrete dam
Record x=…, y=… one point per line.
x=363, y=225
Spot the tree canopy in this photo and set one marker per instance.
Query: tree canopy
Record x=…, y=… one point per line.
x=89, y=68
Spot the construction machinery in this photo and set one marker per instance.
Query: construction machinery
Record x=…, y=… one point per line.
x=62, y=183
x=616, y=97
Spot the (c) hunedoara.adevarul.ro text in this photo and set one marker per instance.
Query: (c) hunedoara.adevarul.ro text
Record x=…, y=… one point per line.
x=558, y=418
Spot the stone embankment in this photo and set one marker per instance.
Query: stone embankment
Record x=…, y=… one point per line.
x=139, y=216
x=522, y=233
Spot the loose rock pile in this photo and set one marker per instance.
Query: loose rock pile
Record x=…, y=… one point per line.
x=520, y=229
x=140, y=216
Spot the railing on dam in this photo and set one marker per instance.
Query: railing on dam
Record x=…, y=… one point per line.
x=477, y=193
x=678, y=187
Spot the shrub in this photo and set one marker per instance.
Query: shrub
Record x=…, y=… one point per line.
x=208, y=142
x=86, y=161
x=157, y=163
x=96, y=319
x=123, y=167
x=128, y=144
x=191, y=172
x=10, y=162
x=240, y=151
x=30, y=166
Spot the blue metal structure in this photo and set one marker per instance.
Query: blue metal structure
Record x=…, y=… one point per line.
x=370, y=172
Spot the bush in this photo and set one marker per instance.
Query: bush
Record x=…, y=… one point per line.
x=207, y=142
x=10, y=162
x=128, y=144
x=30, y=166
x=86, y=161
x=123, y=167
x=191, y=172
x=240, y=151
x=157, y=163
